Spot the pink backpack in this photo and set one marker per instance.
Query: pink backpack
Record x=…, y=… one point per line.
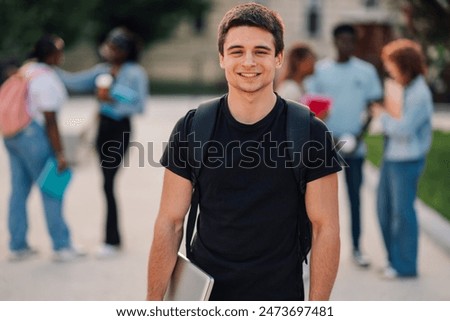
x=14, y=115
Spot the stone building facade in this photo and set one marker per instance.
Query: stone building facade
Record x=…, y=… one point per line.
x=191, y=55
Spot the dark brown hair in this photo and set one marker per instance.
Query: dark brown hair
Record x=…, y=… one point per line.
x=44, y=47
x=254, y=15
x=407, y=55
x=298, y=52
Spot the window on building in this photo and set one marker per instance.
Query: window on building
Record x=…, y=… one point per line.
x=313, y=21
x=199, y=24
x=371, y=3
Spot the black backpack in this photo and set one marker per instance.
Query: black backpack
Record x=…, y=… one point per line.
x=297, y=131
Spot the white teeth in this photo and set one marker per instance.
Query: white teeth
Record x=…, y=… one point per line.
x=249, y=75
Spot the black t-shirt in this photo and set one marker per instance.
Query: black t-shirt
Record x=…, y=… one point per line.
x=249, y=203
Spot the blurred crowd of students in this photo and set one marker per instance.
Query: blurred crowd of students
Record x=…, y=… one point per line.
x=39, y=140
x=403, y=104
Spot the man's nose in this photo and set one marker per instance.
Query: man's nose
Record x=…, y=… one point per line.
x=249, y=59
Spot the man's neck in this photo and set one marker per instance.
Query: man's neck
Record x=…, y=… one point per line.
x=249, y=108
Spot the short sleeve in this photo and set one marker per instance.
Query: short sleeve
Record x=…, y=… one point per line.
x=47, y=92
x=320, y=157
x=175, y=157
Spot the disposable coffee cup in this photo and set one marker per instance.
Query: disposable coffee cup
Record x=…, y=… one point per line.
x=349, y=143
x=103, y=83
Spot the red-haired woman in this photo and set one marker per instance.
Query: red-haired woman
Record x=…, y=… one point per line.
x=406, y=121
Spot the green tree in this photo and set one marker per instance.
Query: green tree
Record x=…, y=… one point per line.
x=428, y=22
x=23, y=21
x=151, y=19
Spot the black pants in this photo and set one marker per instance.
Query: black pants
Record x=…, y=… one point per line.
x=112, y=143
x=354, y=179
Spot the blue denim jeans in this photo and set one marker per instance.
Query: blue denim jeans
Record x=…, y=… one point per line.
x=398, y=221
x=28, y=152
x=354, y=179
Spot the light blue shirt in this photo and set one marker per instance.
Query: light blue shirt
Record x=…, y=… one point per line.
x=351, y=85
x=409, y=138
x=129, y=89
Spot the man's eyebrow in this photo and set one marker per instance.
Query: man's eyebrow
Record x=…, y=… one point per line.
x=256, y=47
x=235, y=47
x=264, y=47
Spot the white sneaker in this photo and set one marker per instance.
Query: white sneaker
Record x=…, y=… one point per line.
x=22, y=255
x=389, y=273
x=68, y=254
x=107, y=251
x=360, y=259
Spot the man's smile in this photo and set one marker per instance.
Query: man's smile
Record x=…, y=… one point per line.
x=248, y=74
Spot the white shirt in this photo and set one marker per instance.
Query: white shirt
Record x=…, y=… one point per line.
x=289, y=89
x=46, y=92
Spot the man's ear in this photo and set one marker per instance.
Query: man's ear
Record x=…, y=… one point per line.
x=279, y=59
x=221, y=61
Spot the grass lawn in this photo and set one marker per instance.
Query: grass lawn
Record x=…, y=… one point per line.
x=434, y=185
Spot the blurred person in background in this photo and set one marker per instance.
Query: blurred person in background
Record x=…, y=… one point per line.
x=300, y=61
x=299, y=64
x=124, y=97
x=352, y=84
x=31, y=148
x=406, y=122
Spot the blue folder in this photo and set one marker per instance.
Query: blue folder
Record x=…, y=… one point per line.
x=51, y=181
x=124, y=94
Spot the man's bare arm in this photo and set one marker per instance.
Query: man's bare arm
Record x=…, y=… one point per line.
x=168, y=233
x=322, y=207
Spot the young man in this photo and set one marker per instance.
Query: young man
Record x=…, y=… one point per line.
x=352, y=84
x=249, y=206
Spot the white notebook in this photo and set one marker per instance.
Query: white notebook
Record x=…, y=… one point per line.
x=188, y=282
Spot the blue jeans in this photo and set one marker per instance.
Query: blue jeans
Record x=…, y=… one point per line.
x=354, y=179
x=398, y=221
x=28, y=152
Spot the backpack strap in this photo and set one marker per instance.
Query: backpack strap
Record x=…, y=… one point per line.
x=202, y=127
x=25, y=72
x=298, y=132
x=201, y=131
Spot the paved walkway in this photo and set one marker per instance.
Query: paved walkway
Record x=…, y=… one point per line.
x=138, y=189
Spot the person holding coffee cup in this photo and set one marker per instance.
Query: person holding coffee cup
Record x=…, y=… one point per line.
x=121, y=85
x=103, y=82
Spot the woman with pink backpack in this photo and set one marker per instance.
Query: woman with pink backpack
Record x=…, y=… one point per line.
x=31, y=146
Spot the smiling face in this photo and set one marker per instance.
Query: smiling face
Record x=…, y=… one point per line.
x=249, y=60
